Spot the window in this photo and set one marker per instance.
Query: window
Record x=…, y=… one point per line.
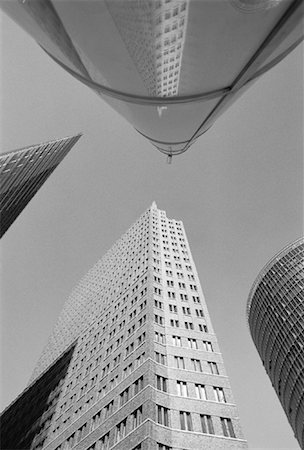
x=138, y=385
x=161, y=383
x=121, y=430
x=158, y=319
x=182, y=389
x=192, y=343
x=203, y=327
x=206, y=424
x=124, y=396
x=104, y=442
x=96, y=420
x=196, y=365
x=207, y=346
x=189, y=325
x=101, y=444
x=213, y=368
x=159, y=337
x=138, y=447
x=199, y=313
x=141, y=339
x=200, y=391
x=227, y=427
x=163, y=447
x=219, y=394
x=162, y=415
x=177, y=341
x=160, y=358
x=173, y=308
x=136, y=418
x=158, y=304
x=109, y=409
x=186, y=310
x=82, y=431
x=185, y=421
x=174, y=323
x=179, y=362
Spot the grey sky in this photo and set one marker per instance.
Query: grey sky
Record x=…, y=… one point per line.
x=238, y=191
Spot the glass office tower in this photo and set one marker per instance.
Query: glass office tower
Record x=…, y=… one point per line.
x=276, y=321
x=24, y=171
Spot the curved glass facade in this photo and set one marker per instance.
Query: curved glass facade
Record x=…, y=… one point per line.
x=170, y=67
x=276, y=320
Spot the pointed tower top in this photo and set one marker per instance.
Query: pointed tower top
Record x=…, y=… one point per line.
x=154, y=205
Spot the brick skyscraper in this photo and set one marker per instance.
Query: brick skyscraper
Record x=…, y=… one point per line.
x=133, y=362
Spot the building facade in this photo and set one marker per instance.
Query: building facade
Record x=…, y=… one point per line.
x=170, y=67
x=145, y=372
x=276, y=320
x=24, y=171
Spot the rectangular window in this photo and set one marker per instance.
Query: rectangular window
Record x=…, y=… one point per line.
x=189, y=325
x=182, y=389
x=138, y=447
x=186, y=310
x=161, y=383
x=82, y=431
x=159, y=337
x=109, y=409
x=173, y=308
x=200, y=391
x=185, y=421
x=121, y=430
x=163, y=447
x=96, y=420
x=219, y=394
x=196, y=365
x=213, y=368
x=162, y=415
x=199, y=313
x=179, y=362
x=206, y=424
x=124, y=397
x=177, y=341
x=192, y=343
x=101, y=444
x=136, y=418
x=158, y=319
x=207, y=346
x=227, y=427
x=174, y=323
x=138, y=385
x=160, y=358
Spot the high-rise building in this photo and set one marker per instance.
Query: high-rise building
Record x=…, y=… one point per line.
x=170, y=67
x=133, y=361
x=276, y=319
x=24, y=171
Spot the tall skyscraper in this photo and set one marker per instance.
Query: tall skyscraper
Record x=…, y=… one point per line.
x=24, y=171
x=276, y=321
x=170, y=67
x=133, y=361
